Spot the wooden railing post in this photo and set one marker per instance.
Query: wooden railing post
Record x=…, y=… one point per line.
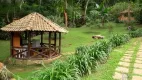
x=55, y=38
x=49, y=44
x=11, y=45
x=59, y=42
x=29, y=44
x=41, y=38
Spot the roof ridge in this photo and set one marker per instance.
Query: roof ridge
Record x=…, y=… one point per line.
x=30, y=20
x=41, y=16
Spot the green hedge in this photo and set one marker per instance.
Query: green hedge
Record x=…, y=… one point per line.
x=82, y=62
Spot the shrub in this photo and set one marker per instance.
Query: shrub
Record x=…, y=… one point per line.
x=136, y=33
x=118, y=39
x=84, y=61
x=138, y=12
x=5, y=74
x=101, y=50
x=60, y=70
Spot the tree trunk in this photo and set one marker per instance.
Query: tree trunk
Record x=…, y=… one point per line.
x=65, y=14
x=103, y=22
x=66, y=19
x=84, y=12
x=7, y=17
x=129, y=15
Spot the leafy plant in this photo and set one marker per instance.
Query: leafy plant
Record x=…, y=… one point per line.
x=119, y=39
x=4, y=35
x=60, y=70
x=5, y=74
x=84, y=61
x=136, y=33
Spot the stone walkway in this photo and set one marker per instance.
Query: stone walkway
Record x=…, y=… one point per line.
x=122, y=70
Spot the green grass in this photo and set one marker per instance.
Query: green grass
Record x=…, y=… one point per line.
x=76, y=37
x=83, y=36
x=4, y=50
x=105, y=71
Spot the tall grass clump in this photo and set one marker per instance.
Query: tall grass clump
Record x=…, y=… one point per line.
x=5, y=74
x=60, y=70
x=119, y=39
x=84, y=61
x=100, y=50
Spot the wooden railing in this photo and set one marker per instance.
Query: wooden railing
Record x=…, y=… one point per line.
x=20, y=52
x=35, y=52
x=43, y=52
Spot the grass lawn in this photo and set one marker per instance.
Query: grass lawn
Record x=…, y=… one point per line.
x=76, y=37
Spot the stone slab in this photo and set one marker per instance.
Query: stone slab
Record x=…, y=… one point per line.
x=136, y=65
x=139, y=56
x=137, y=78
x=126, y=64
x=122, y=69
x=125, y=60
x=119, y=76
x=137, y=71
x=130, y=55
x=138, y=61
x=140, y=50
x=129, y=52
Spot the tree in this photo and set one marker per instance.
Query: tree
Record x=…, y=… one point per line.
x=102, y=13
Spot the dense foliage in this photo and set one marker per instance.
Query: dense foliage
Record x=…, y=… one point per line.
x=84, y=61
x=136, y=33
x=77, y=12
x=4, y=35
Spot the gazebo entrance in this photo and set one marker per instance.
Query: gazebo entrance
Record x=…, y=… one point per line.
x=24, y=46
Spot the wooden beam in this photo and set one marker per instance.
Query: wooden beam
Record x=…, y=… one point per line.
x=29, y=44
x=55, y=39
x=26, y=35
x=41, y=38
x=11, y=44
x=59, y=42
x=50, y=44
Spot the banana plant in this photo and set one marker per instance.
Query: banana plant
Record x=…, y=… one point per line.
x=102, y=13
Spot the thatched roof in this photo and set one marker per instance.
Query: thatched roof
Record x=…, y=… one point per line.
x=126, y=11
x=33, y=22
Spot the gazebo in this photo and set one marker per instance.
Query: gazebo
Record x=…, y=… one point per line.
x=124, y=16
x=22, y=46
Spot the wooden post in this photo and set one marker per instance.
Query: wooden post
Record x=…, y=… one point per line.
x=41, y=38
x=59, y=42
x=25, y=35
x=11, y=44
x=49, y=44
x=55, y=38
x=29, y=43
